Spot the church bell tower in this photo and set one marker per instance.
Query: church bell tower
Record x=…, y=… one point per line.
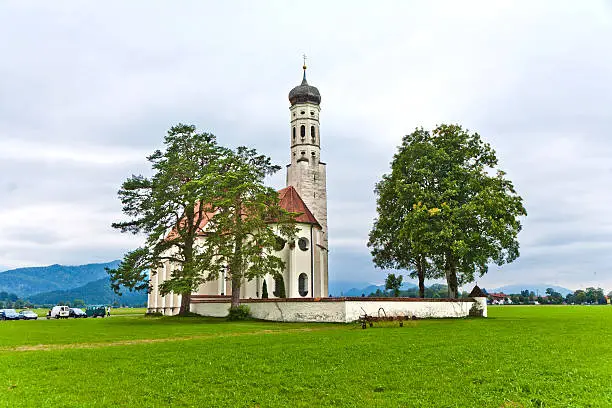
x=307, y=173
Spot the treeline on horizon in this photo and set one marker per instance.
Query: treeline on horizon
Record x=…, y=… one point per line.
x=590, y=295
x=435, y=291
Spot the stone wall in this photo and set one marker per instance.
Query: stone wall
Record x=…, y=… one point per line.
x=343, y=310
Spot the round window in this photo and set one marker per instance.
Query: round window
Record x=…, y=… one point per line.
x=303, y=244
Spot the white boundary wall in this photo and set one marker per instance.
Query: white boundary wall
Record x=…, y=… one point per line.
x=342, y=310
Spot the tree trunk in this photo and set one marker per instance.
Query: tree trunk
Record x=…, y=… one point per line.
x=235, y=291
x=421, y=275
x=187, y=270
x=451, y=278
x=185, y=303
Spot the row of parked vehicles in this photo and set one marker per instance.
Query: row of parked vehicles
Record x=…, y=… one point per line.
x=57, y=312
x=11, y=314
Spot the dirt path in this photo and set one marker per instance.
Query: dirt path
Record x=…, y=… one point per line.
x=74, y=346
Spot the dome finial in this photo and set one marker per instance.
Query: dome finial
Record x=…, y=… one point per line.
x=304, y=68
x=304, y=93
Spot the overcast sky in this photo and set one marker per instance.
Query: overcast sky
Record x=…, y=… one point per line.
x=87, y=90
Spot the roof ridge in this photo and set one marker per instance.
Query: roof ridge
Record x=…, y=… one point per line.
x=291, y=201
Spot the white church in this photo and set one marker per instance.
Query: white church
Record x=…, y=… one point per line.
x=305, y=278
x=306, y=270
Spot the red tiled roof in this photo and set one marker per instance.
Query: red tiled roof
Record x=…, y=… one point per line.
x=291, y=201
x=206, y=216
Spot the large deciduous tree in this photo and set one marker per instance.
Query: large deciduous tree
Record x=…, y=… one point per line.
x=199, y=188
x=445, y=200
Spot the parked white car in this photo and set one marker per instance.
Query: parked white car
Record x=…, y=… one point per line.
x=28, y=315
x=59, y=312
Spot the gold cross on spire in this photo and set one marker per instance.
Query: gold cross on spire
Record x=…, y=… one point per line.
x=304, y=56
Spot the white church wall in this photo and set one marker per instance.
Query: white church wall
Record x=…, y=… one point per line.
x=420, y=309
x=216, y=309
x=298, y=311
x=344, y=310
x=301, y=263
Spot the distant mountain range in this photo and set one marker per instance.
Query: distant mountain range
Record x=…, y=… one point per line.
x=59, y=283
x=340, y=288
x=25, y=282
x=96, y=292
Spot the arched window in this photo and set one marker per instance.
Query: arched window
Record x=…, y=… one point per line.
x=303, y=131
x=294, y=133
x=312, y=132
x=279, y=287
x=303, y=284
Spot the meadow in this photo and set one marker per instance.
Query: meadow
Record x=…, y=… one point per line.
x=521, y=356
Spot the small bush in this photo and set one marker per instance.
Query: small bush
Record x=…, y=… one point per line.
x=189, y=314
x=154, y=314
x=242, y=312
x=476, y=310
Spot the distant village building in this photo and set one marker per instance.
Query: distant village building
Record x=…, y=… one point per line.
x=306, y=258
x=499, y=298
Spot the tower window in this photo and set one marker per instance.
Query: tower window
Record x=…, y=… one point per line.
x=294, y=133
x=302, y=112
x=303, y=244
x=303, y=284
x=311, y=113
x=303, y=131
x=312, y=134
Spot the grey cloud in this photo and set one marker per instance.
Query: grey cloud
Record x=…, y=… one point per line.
x=32, y=236
x=533, y=80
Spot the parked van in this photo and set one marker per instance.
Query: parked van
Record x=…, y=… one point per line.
x=60, y=312
x=95, y=311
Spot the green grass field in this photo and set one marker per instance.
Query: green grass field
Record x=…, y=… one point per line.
x=521, y=356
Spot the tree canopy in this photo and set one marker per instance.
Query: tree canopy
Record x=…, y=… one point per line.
x=394, y=283
x=447, y=207
x=198, y=189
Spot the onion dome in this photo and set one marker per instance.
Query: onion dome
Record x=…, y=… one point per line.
x=304, y=93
